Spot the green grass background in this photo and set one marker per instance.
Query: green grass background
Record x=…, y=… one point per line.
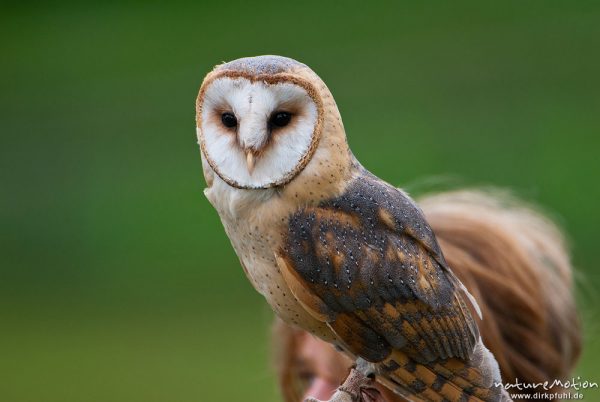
x=117, y=282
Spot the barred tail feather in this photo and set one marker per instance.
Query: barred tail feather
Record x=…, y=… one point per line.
x=446, y=380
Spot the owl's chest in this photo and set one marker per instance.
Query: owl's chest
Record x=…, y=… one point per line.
x=256, y=248
x=257, y=237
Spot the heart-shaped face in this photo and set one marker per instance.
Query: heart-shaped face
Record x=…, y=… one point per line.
x=257, y=132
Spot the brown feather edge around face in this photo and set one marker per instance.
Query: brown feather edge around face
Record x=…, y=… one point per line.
x=270, y=79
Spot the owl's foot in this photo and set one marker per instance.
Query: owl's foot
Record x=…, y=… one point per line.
x=357, y=388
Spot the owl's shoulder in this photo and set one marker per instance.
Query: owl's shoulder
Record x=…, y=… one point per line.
x=376, y=205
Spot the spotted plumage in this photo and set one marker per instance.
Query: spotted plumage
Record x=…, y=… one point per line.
x=380, y=277
x=332, y=248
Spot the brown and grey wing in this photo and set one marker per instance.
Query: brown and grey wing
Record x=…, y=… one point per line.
x=374, y=281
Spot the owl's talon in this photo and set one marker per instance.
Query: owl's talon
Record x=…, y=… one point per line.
x=367, y=369
x=356, y=388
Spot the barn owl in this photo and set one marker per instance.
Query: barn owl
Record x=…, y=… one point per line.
x=334, y=249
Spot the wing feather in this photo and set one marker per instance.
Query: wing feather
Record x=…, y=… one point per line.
x=368, y=264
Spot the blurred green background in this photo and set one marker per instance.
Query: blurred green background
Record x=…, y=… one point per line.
x=117, y=282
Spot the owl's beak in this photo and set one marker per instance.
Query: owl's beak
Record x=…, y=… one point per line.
x=250, y=161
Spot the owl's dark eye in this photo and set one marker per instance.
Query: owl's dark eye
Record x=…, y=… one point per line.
x=228, y=120
x=281, y=119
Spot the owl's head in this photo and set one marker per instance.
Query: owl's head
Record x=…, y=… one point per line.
x=260, y=120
